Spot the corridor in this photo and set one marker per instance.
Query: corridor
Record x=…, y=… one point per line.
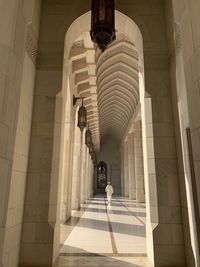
x=102, y=235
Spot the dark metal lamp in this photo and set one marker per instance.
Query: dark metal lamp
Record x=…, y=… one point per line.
x=103, y=22
x=82, y=114
x=88, y=137
x=91, y=148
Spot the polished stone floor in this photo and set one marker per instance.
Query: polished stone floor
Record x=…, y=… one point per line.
x=105, y=235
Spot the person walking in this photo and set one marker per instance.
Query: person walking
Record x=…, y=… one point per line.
x=109, y=191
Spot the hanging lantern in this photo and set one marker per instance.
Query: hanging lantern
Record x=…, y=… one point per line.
x=82, y=117
x=91, y=148
x=103, y=22
x=88, y=137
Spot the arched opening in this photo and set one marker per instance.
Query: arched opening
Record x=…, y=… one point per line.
x=131, y=110
x=101, y=176
x=133, y=107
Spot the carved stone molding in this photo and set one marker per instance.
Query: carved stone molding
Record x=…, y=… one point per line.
x=31, y=44
x=175, y=42
x=177, y=38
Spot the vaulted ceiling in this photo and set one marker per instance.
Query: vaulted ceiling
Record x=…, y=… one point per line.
x=109, y=83
x=117, y=86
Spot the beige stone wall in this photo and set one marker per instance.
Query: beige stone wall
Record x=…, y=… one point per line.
x=183, y=38
x=18, y=47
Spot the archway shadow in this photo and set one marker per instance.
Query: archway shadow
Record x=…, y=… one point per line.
x=84, y=258
x=117, y=212
x=120, y=228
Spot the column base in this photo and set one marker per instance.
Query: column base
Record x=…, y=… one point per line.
x=140, y=197
x=132, y=194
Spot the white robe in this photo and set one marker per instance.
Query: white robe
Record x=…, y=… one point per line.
x=109, y=191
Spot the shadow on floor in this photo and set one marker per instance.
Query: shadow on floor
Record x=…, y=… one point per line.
x=116, y=204
x=121, y=228
x=82, y=258
x=117, y=212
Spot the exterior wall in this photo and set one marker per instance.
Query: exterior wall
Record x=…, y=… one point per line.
x=18, y=46
x=183, y=38
x=110, y=154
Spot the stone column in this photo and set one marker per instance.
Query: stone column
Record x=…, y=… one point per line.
x=90, y=177
x=162, y=185
x=122, y=170
x=83, y=170
x=65, y=212
x=138, y=159
x=87, y=174
x=76, y=170
x=131, y=166
x=91, y=180
x=70, y=174
x=126, y=171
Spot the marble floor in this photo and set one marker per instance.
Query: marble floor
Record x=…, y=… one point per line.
x=105, y=235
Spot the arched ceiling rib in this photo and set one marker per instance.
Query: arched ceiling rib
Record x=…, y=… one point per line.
x=121, y=78
x=117, y=87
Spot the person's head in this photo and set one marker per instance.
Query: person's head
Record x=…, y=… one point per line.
x=109, y=182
